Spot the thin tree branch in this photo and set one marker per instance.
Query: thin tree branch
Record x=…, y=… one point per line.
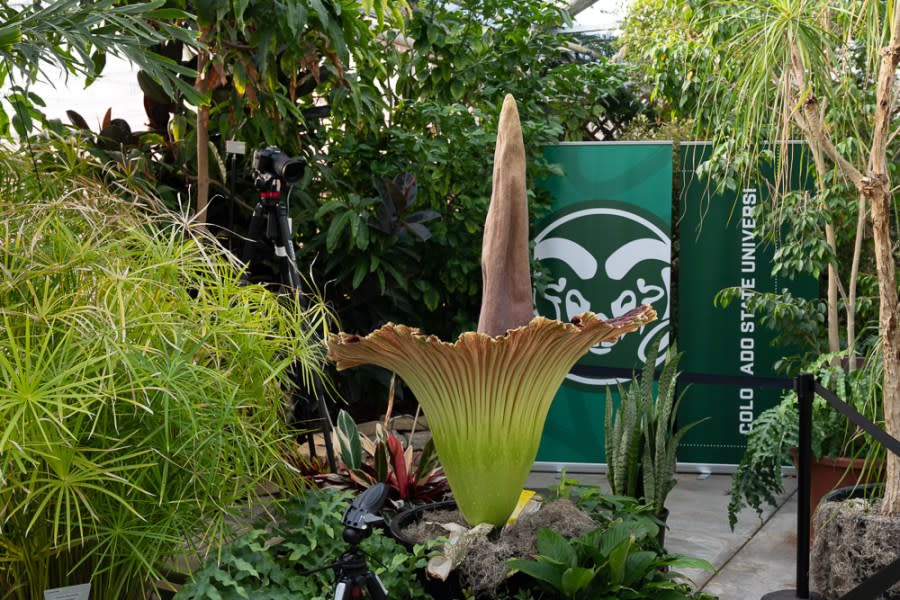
x=884, y=99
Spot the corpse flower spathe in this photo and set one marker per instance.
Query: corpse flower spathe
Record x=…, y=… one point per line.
x=486, y=397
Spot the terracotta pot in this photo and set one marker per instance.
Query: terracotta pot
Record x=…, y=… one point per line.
x=827, y=475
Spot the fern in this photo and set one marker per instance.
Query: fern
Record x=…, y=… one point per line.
x=758, y=476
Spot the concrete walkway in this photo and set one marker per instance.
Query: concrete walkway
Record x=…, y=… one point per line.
x=757, y=558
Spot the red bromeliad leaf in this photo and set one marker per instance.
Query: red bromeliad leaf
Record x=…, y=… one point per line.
x=399, y=463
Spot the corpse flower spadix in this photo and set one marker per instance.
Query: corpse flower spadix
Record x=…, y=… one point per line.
x=486, y=398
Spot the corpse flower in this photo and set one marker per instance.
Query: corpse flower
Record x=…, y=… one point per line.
x=487, y=395
x=486, y=398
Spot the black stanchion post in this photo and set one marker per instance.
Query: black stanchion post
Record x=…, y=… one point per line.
x=805, y=386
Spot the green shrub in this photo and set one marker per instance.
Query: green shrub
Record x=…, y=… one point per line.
x=141, y=389
x=776, y=432
x=608, y=562
x=303, y=534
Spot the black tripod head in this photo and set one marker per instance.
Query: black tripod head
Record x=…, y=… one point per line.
x=353, y=575
x=363, y=513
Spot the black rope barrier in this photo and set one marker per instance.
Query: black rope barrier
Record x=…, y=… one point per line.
x=877, y=584
x=880, y=435
x=688, y=377
x=888, y=575
x=806, y=388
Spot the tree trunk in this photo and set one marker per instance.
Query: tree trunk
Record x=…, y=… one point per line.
x=877, y=187
x=202, y=163
x=834, y=336
x=832, y=320
x=202, y=141
x=852, y=283
x=890, y=338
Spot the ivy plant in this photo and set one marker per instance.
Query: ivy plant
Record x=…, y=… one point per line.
x=301, y=535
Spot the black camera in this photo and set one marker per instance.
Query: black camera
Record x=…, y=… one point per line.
x=272, y=162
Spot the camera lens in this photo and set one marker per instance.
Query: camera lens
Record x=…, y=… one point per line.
x=290, y=170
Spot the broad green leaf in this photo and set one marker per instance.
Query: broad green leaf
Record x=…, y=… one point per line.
x=575, y=579
x=330, y=206
x=638, y=565
x=688, y=562
x=359, y=274
x=336, y=231
x=540, y=570
x=618, y=558
x=432, y=299
x=613, y=537
x=348, y=438
x=555, y=547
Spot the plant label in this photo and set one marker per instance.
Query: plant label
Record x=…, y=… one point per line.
x=71, y=592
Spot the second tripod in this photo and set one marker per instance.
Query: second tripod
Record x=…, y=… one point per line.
x=270, y=223
x=353, y=577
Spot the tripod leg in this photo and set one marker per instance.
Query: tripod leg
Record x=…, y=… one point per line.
x=326, y=424
x=377, y=591
x=254, y=234
x=302, y=411
x=285, y=247
x=341, y=590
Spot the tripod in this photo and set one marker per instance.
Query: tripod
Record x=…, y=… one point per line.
x=352, y=573
x=270, y=222
x=271, y=211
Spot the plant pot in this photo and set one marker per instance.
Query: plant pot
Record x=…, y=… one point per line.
x=853, y=542
x=449, y=589
x=827, y=474
x=403, y=519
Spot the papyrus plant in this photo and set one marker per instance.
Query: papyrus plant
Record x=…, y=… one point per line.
x=142, y=389
x=486, y=398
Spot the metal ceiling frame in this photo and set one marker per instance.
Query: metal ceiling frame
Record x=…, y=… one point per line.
x=578, y=6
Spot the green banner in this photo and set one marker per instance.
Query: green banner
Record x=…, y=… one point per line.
x=605, y=247
x=719, y=248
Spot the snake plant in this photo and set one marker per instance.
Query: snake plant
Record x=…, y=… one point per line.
x=642, y=437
